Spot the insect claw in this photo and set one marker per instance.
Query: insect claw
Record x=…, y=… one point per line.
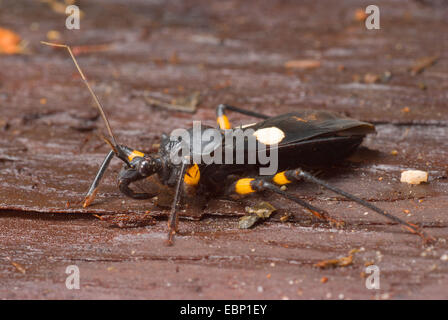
x=89, y=198
x=170, y=239
x=427, y=239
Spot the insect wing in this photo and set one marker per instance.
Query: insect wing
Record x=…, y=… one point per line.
x=307, y=124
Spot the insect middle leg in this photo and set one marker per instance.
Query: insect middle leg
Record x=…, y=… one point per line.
x=246, y=186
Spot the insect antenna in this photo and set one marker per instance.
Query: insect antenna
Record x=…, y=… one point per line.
x=95, y=98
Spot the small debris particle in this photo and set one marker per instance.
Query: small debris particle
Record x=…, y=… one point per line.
x=19, y=267
x=405, y=109
x=323, y=280
x=414, y=176
x=285, y=217
x=444, y=257
x=394, y=152
x=268, y=276
x=174, y=59
x=77, y=50
x=380, y=179
x=434, y=267
x=406, y=211
x=341, y=296
x=421, y=64
x=303, y=64
x=371, y=78
x=272, y=264
x=360, y=15
x=385, y=296
x=386, y=76
x=340, y=262
x=247, y=222
x=260, y=289
x=9, y=42
x=53, y=35
x=356, y=78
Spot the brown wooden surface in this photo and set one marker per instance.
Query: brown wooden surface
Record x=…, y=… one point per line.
x=231, y=52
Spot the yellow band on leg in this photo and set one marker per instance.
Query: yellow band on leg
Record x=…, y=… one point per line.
x=193, y=175
x=134, y=154
x=223, y=122
x=243, y=186
x=280, y=178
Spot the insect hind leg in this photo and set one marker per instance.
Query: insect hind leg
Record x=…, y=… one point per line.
x=300, y=174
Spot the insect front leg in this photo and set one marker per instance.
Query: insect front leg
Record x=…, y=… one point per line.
x=90, y=196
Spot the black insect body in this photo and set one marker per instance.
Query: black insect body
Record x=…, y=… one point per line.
x=303, y=139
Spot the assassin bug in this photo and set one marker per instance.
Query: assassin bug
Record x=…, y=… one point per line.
x=305, y=138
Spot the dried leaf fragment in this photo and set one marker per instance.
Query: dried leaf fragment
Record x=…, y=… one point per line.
x=262, y=210
x=247, y=222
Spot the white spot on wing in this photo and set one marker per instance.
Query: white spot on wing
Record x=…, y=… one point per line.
x=269, y=136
